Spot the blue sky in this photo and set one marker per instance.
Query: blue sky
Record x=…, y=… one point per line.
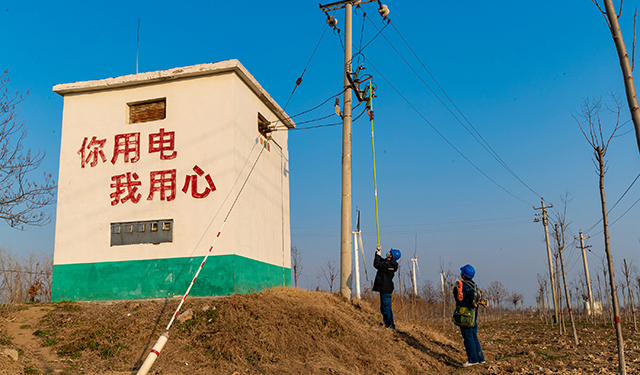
x=516, y=70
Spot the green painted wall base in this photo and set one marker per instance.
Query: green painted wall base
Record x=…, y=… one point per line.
x=162, y=278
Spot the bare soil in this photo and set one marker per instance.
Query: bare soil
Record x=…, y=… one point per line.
x=287, y=331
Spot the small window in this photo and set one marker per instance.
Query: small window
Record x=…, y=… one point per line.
x=264, y=126
x=152, y=110
x=154, y=227
x=166, y=225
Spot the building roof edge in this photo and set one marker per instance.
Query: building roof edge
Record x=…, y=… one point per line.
x=232, y=65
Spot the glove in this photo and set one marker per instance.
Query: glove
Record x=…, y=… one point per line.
x=378, y=252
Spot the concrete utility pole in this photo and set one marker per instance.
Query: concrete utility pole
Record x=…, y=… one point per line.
x=592, y=305
x=546, y=237
x=346, y=215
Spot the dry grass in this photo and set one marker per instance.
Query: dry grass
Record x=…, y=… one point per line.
x=278, y=331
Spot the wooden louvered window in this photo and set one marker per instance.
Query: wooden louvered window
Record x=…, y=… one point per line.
x=264, y=126
x=152, y=110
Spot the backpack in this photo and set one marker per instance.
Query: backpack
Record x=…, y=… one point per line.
x=465, y=317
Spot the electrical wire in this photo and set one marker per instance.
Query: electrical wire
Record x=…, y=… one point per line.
x=29, y=272
x=614, y=206
x=445, y=138
x=333, y=124
x=479, y=137
x=299, y=80
x=616, y=220
x=275, y=123
x=416, y=228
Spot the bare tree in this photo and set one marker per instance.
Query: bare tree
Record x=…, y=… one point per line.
x=497, y=293
x=611, y=17
x=429, y=292
x=541, y=296
x=515, y=298
x=296, y=264
x=22, y=201
x=25, y=280
x=630, y=291
x=591, y=120
x=330, y=273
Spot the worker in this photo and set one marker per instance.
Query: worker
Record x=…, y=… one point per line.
x=466, y=295
x=384, y=282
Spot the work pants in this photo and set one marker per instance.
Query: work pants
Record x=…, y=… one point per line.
x=471, y=344
x=385, y=309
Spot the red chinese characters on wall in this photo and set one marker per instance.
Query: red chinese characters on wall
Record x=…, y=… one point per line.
x=194, y=184
x=162, y=183
x=90, y=152
x=128, y=145
x=163, y=142
x=126, y=188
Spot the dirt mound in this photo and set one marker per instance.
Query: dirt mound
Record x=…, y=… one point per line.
x=278, y=331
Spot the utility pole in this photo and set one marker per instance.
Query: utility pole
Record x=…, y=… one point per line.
x=444, y=308
x=345, y=207
x=592, y=305
x=546, y=237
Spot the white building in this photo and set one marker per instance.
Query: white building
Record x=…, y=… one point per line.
x=150, y=165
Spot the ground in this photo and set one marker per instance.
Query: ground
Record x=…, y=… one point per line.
x=289, y=331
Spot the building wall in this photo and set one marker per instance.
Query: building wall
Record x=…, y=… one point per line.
x=214, y=120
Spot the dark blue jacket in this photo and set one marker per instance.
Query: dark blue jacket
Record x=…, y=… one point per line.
x=466, y=299
x=383, y=282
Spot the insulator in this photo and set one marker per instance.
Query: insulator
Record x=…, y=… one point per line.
x=383, y=10
x=332, y=21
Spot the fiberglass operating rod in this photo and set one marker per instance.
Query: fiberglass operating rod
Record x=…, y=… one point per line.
x=373, y=151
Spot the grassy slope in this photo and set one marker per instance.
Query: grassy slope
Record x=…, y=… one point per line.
x=279, y=331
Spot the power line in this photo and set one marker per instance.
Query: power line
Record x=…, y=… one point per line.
x=430, y=224
x=29, y=272
x=480, y=141
x=328, y=125
x=614, y=206
x=299, y=80
x=443, y=137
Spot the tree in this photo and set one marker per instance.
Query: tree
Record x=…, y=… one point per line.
x=296, y=264
x=330, y=273
x=515, y=298
x=497, y=293
x=22, y=201
x=611, y=17
x=591, y=120
x=429, y=292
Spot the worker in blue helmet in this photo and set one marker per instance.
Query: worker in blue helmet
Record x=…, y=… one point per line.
x=383, y=282
x=468, y=295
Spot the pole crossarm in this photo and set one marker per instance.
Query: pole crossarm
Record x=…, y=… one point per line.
x=341, y=4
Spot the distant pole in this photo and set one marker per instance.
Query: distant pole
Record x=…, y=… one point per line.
x=586, y=273
x=553, y=282
x=355, y=253
x=415, y=284
x=137, y=45
x=444, y=308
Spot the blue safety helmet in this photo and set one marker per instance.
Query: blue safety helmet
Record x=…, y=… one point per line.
x=468, y=271
x=395, y=253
